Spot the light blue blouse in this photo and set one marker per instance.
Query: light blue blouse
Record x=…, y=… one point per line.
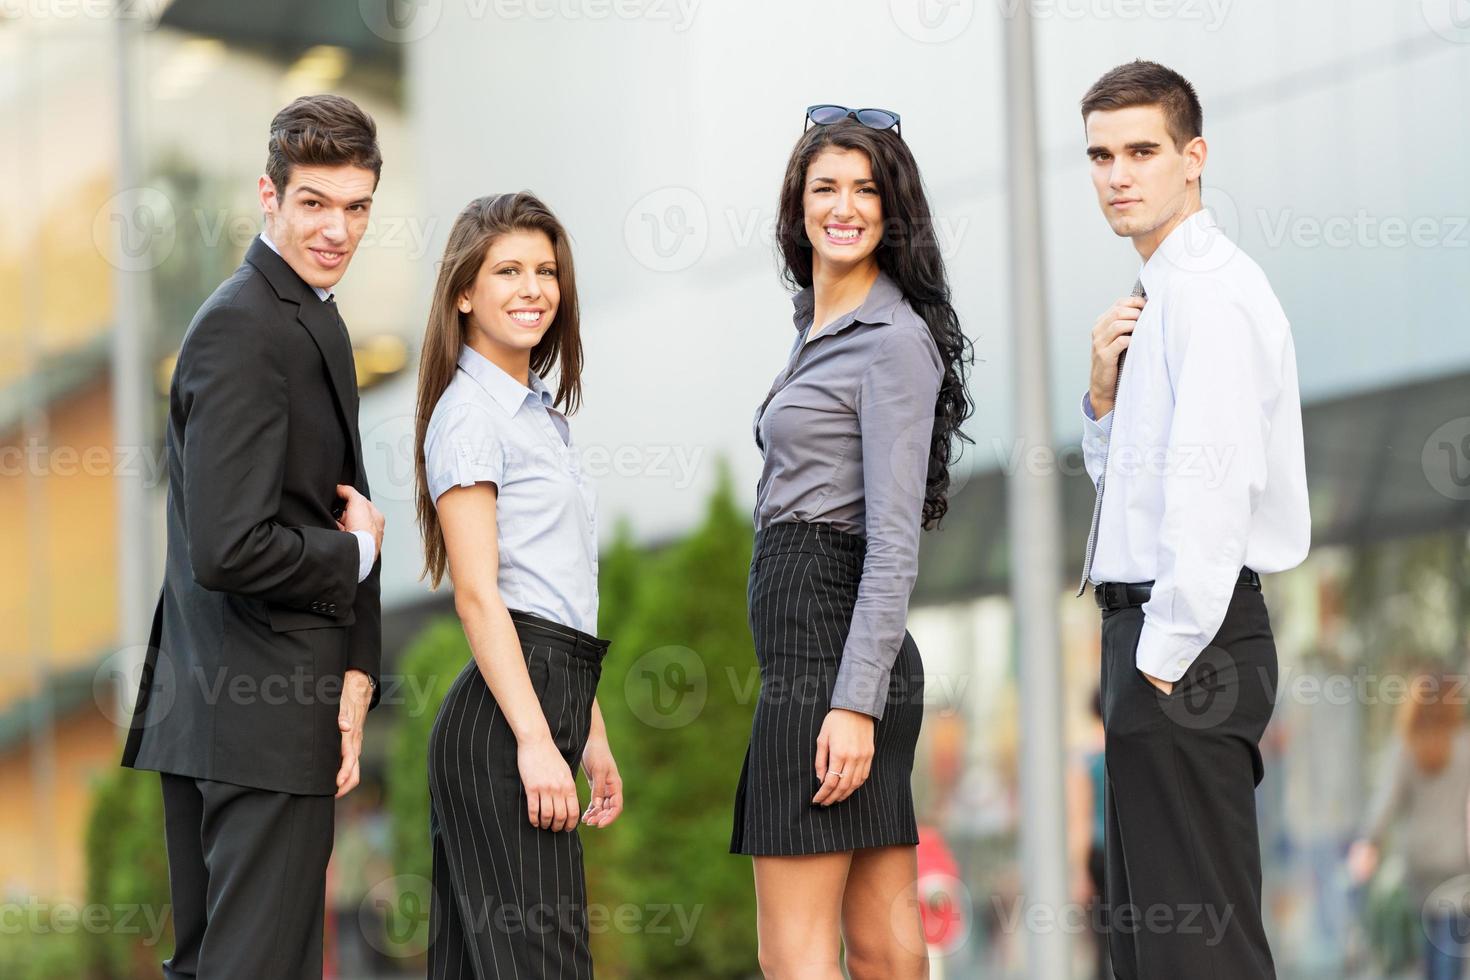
x=488, y=427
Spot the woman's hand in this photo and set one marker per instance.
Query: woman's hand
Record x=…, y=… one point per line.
x=607, y=785
x=844, y=754
x=551, y=792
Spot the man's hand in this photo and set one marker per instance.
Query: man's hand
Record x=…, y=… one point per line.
x=1166, y=686
x=844, y=754
x=1110, y=337
x=357, y=694
x=361, y=515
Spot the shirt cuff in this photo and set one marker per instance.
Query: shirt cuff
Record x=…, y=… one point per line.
x=1162, y=655
x=365, y=554
x=1098, y=428
x=861, y=687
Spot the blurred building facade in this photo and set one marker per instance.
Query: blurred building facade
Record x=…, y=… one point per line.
x=658, y=131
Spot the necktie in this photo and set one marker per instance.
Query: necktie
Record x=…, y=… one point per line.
x=1102, y=476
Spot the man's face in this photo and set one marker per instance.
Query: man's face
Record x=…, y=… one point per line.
x=319, y=219
x=1143, y=181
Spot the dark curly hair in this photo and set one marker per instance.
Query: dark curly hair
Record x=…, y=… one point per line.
x=908, y=252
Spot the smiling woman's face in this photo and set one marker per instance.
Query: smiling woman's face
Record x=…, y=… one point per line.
x=514, y=296
x=843, y=212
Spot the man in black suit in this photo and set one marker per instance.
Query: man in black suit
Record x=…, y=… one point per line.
x=264, y=654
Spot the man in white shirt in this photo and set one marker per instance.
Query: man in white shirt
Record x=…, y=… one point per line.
x=1193, y=436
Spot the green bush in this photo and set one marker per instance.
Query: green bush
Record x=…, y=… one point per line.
x=678, y=692
x=127, y=875
x=28, y=955
x=434, y=659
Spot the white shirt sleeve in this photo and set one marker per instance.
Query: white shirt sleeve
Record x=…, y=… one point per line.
x=366, y=554
x=1224, y=379
x=1095, y=433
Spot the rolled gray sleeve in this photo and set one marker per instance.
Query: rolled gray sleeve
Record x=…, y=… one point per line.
x=896, y=402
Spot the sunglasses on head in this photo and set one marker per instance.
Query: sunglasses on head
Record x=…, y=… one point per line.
x=826, y=115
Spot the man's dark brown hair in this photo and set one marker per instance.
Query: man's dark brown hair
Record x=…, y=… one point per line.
x=321, y=131
x=1146, y=83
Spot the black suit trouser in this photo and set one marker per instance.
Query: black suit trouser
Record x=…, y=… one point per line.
x=247, y=872
x=1182, y=860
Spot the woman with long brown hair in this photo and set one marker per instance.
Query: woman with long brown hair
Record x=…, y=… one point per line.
x=506, y=511
x=858, y=433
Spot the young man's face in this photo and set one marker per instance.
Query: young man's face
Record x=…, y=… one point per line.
x=1145, y=184
x=319, y=219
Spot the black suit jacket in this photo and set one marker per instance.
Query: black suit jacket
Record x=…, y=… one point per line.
x=261, y=611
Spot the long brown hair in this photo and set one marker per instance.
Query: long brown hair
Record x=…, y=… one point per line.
x=481, y=222
x=1429, y=718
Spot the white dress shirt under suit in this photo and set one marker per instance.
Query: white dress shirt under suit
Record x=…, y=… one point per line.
x=1205, y=469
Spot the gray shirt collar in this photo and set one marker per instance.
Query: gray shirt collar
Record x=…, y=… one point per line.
x=508, y=393
x=882, y=299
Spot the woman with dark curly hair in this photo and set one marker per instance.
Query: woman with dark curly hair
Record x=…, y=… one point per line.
x=858, y=433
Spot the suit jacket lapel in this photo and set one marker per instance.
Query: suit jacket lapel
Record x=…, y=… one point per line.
x=320, y=320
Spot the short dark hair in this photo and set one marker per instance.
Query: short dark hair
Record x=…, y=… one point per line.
x=321, y=130
x=1147, y=83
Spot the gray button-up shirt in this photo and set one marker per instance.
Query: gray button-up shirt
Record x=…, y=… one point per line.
x=845, y=434
x=488, y=427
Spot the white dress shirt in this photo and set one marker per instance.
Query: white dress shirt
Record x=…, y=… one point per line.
x=366, y=549
x=488, y=427
x=1205, y=471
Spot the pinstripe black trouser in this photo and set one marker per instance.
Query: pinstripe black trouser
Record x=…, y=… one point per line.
x=509, y=898
x=1183, y=864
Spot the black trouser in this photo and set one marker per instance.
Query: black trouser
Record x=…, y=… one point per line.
x=247, y=869
x=1183, y=861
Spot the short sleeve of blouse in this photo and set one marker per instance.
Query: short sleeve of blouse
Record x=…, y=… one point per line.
x=462, y=448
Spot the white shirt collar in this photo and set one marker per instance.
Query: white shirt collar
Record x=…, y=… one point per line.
x=1197, y=245
x=321, y=293
x=509, y=393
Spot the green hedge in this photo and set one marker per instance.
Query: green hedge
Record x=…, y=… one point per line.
x=127, y=874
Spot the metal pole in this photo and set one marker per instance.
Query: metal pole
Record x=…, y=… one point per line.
x=1034, y=510
x=35, y=430
x=130, y=393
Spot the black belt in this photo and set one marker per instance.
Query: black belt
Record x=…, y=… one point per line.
x=1119, y=595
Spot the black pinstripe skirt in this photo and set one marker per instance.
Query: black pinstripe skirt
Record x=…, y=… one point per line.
x=509, y=899
x=803, y=586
